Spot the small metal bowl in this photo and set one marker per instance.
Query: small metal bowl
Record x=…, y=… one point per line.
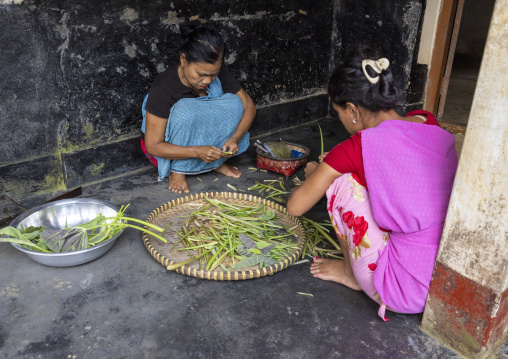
x=59, y=214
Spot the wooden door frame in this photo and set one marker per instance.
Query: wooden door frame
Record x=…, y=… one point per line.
x=449, y=61
x=437, y=66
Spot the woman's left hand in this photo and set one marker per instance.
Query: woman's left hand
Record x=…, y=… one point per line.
x=231, y=145
x=310, y=168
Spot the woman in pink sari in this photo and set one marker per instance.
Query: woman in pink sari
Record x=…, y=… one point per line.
x=388, y=188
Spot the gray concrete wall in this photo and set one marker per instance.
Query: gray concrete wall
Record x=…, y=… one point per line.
x=73, y=73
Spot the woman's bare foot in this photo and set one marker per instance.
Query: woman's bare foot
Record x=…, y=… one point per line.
x=229, y=171
x=333, y=270
x=178, y=183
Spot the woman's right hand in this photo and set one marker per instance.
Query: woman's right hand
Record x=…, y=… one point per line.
x=208, y=153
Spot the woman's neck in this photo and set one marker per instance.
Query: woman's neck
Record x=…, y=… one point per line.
x=377, y=117
x=182, y=78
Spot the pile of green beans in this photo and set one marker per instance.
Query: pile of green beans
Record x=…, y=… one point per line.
x=212, y=232
x=271, y=192
x=317, y=234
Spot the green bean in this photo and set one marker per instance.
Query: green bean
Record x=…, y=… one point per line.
x=219, y=260
x=210, y=262
x=182, y=263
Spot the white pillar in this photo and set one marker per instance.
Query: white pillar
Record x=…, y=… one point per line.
x=467, y=306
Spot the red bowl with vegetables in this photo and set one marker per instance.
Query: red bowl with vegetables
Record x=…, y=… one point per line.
x=284, y=166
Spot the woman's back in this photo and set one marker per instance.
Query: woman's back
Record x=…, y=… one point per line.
x=410, y=170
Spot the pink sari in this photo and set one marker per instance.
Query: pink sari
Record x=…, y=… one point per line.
x=409, y=168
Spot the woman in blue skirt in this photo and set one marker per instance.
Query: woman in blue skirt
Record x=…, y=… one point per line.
x=196, y=114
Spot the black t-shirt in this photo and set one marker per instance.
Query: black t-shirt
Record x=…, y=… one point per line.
x=167, y=89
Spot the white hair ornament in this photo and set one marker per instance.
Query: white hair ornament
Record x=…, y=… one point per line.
x=378, y=66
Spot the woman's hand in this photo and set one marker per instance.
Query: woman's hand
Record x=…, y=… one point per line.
x=231, y=145
x=310, y=168
x=208, y=153
x=249, y=112
x=322, y=156
x=305, y=196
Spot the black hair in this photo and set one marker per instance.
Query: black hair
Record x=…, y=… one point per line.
x=348, y=83
x=202, y=44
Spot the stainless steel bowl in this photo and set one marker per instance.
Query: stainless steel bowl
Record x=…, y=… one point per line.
x=59, y=214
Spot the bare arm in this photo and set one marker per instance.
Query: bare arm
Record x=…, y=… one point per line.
x=312, y=189
x=249, y=112
x=155, y=130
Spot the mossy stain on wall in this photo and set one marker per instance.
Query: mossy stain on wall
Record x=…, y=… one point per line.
x=54, y=182
x=97, y=169
x=88, y=128
x=38, y=176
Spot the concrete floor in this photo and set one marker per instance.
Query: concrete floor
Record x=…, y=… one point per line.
x=460, y=94
x=126, y=305
x=462, y=85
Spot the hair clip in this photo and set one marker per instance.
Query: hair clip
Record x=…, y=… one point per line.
x=377, y=66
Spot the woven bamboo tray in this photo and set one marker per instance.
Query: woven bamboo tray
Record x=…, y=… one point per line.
x=180, y=208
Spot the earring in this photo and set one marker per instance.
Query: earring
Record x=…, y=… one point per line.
x=355, y=121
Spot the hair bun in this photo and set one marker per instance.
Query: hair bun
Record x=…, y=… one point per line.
x=186, y=30
x=202, y=44
x=365, y=79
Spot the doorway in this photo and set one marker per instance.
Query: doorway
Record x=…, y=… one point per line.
x=460, y=36
x=459, y=84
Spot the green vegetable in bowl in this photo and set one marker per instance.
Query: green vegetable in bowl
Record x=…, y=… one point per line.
x=75, y=238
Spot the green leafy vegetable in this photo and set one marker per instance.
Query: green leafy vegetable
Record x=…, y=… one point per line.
x=65, y=239
x=317, y=234
x=14, y=235
x=82, y=236
x=267, y=216
x=262, y=260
